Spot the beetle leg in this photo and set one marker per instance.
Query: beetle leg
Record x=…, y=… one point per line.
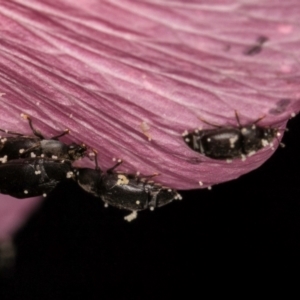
x=239, y=123
x=146, y=176
x=237, y=118
x=35, y=132
x=97, y=168
x=151, y=176
x=29, y=149
x=110, y=170
x=131, y=216
x=153, y=200
x=66, y=131
x=145, y=179
x=11, y=132
x=259, y=119
x=211, y=124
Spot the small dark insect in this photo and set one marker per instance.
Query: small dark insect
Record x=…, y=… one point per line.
x=125, y=191
x=231, y=142
x=30, y=177
x=257, y=48
x=22, y=146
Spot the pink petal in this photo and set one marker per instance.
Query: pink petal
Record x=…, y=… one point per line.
x=13, y=214
x=118, y=73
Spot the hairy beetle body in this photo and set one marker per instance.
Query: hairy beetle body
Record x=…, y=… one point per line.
x=125, y=191
x=22, y=146
x=30, y=177
x=230, y=142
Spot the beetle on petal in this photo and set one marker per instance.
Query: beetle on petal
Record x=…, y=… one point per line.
x=125, y=191
x=22, y=146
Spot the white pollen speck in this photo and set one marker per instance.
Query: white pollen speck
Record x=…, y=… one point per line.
x=137, y=202
x=21, y=150
x=3, y=140
x=145, y=129
x=3, y=159
x=62, y=161
x=232, y=141
x=37, y=172
x=196, y=131
x=25, y=192
x=44, y=195
x=114, y=159
x=208, y=139
x=131, y=216
x=243, y=157
x=69, y=174
x=54, y=156
x=178, y=197
x=243, y=130
x=105, y=205
x=251, y=153
x=187, y=140
x=122, y=180
x=151, y=208
x=293, y=114
x=32, y=154
x=169, y=190
x=264, y=143
x=253, y=127
x=282, y=145
x=200, y=183
x=137, y=173
x=119, y=160
x=278, y=134
x=209, y=187
x=185, y=133
x=229, y=161
x=42, y=155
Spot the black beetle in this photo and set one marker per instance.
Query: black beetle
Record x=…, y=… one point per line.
x=30, y=177
x=125, y=191
x=231, y=142
x=22, y=146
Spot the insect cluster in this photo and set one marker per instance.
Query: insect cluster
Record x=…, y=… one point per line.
x=33, y=166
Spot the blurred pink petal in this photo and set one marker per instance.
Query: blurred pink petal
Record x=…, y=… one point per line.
x=119, y=73
x=12, y=214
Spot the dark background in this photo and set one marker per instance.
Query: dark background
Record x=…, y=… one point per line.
x=247, y=228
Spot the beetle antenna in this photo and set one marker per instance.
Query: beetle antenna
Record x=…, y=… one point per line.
x=259, y=119
x=237, y=118
x=211, y=124
x=110, y=170
x=66, y=131
x=35, y=132
x=96, y=159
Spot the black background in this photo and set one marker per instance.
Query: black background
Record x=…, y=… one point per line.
x=247, y=228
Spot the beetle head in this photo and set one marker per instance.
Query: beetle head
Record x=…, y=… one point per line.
x=76, y=151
